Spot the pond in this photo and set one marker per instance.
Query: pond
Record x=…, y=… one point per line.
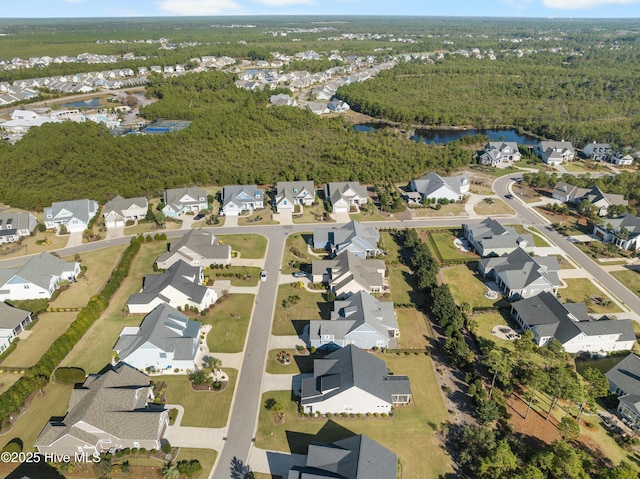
x=92, y=103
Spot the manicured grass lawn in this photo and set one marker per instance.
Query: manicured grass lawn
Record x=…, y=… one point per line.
x=29, y=246
x=414, y=333
x=207, y=458
x=291, y=321
x=466, y=286
x=580, y=290
x=150, y=228
x=312, y=214
x=201, y=408
x=576, y=167
x=390, y=247
x=538, y=240
x=441, y=243
x=7, y=379
x=249, y=275
x=299, y=363
x=229, y=321
x=250, y=246
x=54, y=402
x=485, y=322
x=296, y=250
x=44, y=332
x=410, y=434
x=373, y=213
x=100, y=264
x=452, y=209
x=258, y=217
x=95, y=349
x=563, y=262
x=630, y=278
x=401, y=284
x=498, y=207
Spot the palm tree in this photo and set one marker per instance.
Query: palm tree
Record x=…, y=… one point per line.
x=170, y=471
x=214, y=364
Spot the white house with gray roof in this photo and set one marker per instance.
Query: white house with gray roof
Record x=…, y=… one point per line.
x=344, y=195
x=623, y=231
x=356, y=457
x=490, y=238
x=500, y=154
x=571, y=324
x=353, y=236
x=178, y=201
x=351, y=380
x=38, y=278
x=239, y=198
x=433, y=187
x=555, y=152
x=597, y=151
x=119, y=210
x=624, y=382
x=73, y=215
x=15, y=225
x=113, y=409
x=348, y=274
x=519, y=275
x=568, y=193
x=196, y=248
x=361, y=320
x=12, y=322
x=179, y=286
x=292, y=193
x=166, y=339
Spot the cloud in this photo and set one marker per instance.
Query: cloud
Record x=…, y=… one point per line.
x=583, y=4
x=284, y=3
x=199, y=7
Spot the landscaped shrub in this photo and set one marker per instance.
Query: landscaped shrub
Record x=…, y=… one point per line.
x=166, y=446
x=15, y=445
x=69, y=375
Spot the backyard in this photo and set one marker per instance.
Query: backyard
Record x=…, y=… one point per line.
x=582, y=290
x=292, y=320
x=414, y=332
x=466, y=286
x=229, y=321
x=250, y=246
x=410, y=433
x=443, y=248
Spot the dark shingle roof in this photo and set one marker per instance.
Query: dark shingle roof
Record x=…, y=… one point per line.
x=626, y=374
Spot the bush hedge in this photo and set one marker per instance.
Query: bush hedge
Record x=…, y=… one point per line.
x=69, y=375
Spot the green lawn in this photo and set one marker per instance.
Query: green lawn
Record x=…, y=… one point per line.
x=299, y=363
x=401, y=285
x=441, y=242
x=238, y=275
x=100, y=264
x=150, y=228
x=410, y=434
x=290, y=321
x=54, y=402
x=581, y=290
x=372, y=214
x=201, y=408
x=44, y=332
x=452, y=209
x=485, y=322
x=95, y=349
x=564, y=262
x=250, y=246
x=7, y=379
x=498, y=207
x=207, y=458
x=630, y=278
x=466, y=286
x=312, y=214
x=538, y=240
x=296, y=250
x=229, y=321
x=29, y=246
x=258, y=217
x=414, y=332
x=390, y=247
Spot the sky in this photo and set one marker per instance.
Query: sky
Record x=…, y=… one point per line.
x=486, y=8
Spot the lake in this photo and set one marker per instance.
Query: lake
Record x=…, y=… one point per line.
x=92, y=103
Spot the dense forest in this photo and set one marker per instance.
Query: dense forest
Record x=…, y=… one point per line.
x=234, y=138
x=581, y=98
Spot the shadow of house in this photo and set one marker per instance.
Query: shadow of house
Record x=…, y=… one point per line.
x=40, y=470
x=330, y=432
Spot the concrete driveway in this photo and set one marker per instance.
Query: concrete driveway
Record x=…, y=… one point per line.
x=274, y=463
x=284, y=382
x=75, y=239
x=198, y=437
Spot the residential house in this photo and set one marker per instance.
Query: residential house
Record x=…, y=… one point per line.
x=338, y=106
x=351, y=380
x=291, y=193
x=179, y=286
x=120, y=210
x=282, y=100
x=239, y=198
x=360, y=320
x=15, y=225
x=356, y=457
x=623, y=231
x=434, y=187
x=519, y=275
x=353, y=236
x=318, y=108
x=178, y=201
x=597, y=151
x=166, y=339
x=348, y=274
x=22, y=120
x=12, y=322
x=568, y=193
x=110, y=410
x=490, y=238
x=500, y=154
x=555, y=152
x=345, y=195
x=624, y=382
x=619, y=159
x=570, y=324
x=196, y=248
x=74, y=215
x=38, y=278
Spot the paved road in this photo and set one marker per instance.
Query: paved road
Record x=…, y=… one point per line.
x=529, y=217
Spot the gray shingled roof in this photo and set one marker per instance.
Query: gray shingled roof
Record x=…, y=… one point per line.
x=432, y=182
x=293, y=189
x=39, y=270
x=167, y=329
x=626, y=374
x=11, y=317
x=518, y=269
x=118, y=204
x=629, y=221
x=490, y=234
x=240, y=194
x=11, y=222
x=197, y=241
x=83, y=209
x=348, y=267
x=338, y=190
x=356, y=457
x=353, y=233
x=174, y=196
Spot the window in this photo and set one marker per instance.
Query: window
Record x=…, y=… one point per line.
x=26, y=286
x=163, y=355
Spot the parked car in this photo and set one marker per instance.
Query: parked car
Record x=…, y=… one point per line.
x=299, y=274
x=509, y=197
x=198, y=217
x=263, y=275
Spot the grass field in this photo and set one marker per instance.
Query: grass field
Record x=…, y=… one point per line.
x=291, y=321
x=442, y=242
x=312, y=214
x=630, y=278
x=249, y=275
x=95, y=349
x=466, y=286
x=7, y=379
x=54, y=402
x=250, y=246
x=229, y=321
x=299, y=363
x=201, y=408
x=485, y=322
x=538, y=240
x=258, y=217
x=29, y=246
x=410, y=434
x=150, y=228
x=401, y=279
x=44, y=332
x=580, y=290
x=414, y=332
x=452, y=209
x=498, y=207
x=296, y=250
